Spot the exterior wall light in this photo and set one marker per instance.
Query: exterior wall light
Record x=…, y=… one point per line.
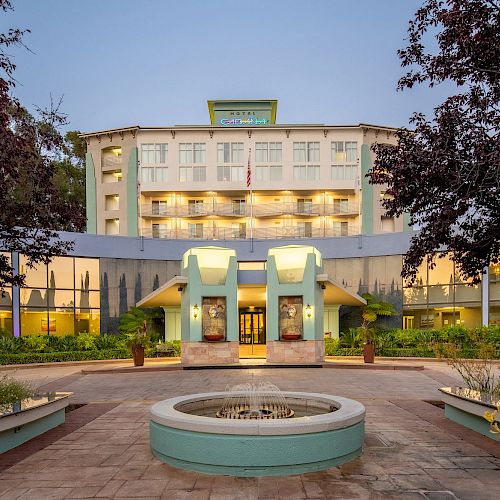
x=196, y=311
x=308, y=310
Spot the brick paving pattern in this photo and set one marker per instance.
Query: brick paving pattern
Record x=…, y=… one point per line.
x=410, y=452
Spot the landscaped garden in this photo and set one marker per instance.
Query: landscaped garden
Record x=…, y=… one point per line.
x=391, y=343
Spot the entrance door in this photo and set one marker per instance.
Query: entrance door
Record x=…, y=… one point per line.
x=252, y=334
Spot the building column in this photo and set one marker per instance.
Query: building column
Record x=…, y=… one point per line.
x=332, y=323
x=16, y=298
x=485, y=298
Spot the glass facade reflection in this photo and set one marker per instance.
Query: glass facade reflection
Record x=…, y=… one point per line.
x=439, y=298
x=61, y=298
x=6, y=306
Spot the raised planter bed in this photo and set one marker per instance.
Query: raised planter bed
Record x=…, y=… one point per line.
x=32, y=418
x=467, y=407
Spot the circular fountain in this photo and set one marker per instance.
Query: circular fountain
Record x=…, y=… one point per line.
x=259, y=430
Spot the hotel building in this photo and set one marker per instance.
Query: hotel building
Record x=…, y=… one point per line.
x=159, y=199
x=190, y=182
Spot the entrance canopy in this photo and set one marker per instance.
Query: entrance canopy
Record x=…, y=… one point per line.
x=337, y=294
x=167, y=295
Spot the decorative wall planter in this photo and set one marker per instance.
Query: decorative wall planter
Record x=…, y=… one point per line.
x=467, y=407
x=291, y=336
x=32, y=418
x=213, y=336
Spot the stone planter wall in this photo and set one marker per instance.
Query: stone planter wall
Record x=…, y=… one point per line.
x=300, y=351
x=205, y=353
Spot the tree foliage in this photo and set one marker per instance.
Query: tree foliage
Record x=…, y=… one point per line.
x=371, y=311
x=32, y=207
x=445, y=173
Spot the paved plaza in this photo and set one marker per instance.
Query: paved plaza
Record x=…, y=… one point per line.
x=411, y=451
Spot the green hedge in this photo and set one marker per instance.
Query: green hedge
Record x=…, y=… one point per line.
x=50, y=357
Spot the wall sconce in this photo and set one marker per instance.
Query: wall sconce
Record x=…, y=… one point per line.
x=196, y=311
x=180, y=289
x=308, y=310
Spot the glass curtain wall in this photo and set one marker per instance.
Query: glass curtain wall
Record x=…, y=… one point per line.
x=61, y=298
x=494, y=318
x=439, y=298
x=6, y=305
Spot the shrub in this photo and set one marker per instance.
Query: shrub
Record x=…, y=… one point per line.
x=13, y=391
x=85, y=341
x=8, y=344
x=36, y=343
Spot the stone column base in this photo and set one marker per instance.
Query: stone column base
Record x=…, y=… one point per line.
x=301, y=351
x=210, y=353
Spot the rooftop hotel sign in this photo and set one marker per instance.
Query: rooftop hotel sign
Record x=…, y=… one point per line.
x=243, y=122
x=258, y=113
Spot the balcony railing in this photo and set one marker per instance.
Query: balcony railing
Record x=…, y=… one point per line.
x=111, y=162
x=259, y=209
x=261, y=233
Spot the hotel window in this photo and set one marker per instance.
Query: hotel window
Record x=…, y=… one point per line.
x=351, y=151
x=341, y=205
x=160, y=231
x=161, y=174
x=299, y=151
x=230, y=152
x=158, y=207
x=230, y=174
x=192, y=152
x=154, y=154
x=192, y=174
x=195, y=230
x=344, y=172
x=275, y=173
x=340, y=228
x=299, y=173
x=261, y=152
x=66, y=299
x=195, y=207
x=306, y=172
x=344, y=152
x=154, y=174
x=261, y=173
x=275, y=152
x=313, y=151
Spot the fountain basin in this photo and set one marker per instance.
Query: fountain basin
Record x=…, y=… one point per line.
x=325, y=431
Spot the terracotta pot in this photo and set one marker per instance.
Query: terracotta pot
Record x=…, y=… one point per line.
x=138, y=354
x=213, y=337
x=369, y=353
x=291, y=336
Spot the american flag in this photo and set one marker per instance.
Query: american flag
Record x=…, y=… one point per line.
x=249, y=170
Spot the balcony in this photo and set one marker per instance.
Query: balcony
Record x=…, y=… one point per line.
x=298, y=209
x=261, y=233
x=111, y=162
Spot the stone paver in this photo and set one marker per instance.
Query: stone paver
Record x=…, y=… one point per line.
x=408, y=453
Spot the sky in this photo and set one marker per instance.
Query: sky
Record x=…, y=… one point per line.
x=118, y=63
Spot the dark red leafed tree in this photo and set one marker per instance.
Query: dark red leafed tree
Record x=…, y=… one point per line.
x=31, y=206
x=446, y=171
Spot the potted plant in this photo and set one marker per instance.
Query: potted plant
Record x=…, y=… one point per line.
x=370, y=313
x=134, y=324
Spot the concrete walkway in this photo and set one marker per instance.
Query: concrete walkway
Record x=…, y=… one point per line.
x=410, y=451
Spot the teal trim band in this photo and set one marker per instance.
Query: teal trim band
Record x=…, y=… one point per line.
x=14, y=437
x=251, y=455
x=474, y=422
x=238, y=471
x=90, y=194
x=132, y=201
x=406, y=222
x=367, y=192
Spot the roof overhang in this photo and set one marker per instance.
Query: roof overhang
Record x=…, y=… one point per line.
x=167, y=295
x=337, y=294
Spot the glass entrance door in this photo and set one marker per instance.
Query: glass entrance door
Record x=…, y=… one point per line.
x=252, y=334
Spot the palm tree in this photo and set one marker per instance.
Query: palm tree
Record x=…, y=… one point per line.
x=370, y=313
x=134, y=324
